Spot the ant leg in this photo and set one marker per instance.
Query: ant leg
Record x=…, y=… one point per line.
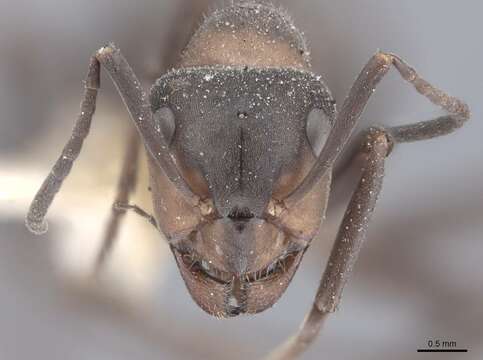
x=361, y=91
x=346, y=248
x=137, y=210
x=376, y=146
x=126, y=185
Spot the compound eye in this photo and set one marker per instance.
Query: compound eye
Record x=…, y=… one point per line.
x=318, y=129
x=164, y=117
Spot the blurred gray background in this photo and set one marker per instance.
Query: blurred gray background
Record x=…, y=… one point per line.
x=419, y=277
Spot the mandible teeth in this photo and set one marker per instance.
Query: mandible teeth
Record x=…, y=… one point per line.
x=233, y=301
x=205, y=265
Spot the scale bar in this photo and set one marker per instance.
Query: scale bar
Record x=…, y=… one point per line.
x=444, y=350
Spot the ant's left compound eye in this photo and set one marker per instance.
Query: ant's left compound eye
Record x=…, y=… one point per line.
x=318, y=129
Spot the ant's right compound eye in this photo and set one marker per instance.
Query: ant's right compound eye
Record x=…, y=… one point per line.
x=165, y=123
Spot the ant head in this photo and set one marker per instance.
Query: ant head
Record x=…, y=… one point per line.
x=239, y=139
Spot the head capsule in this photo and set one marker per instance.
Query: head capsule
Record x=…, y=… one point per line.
x=239, y=139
